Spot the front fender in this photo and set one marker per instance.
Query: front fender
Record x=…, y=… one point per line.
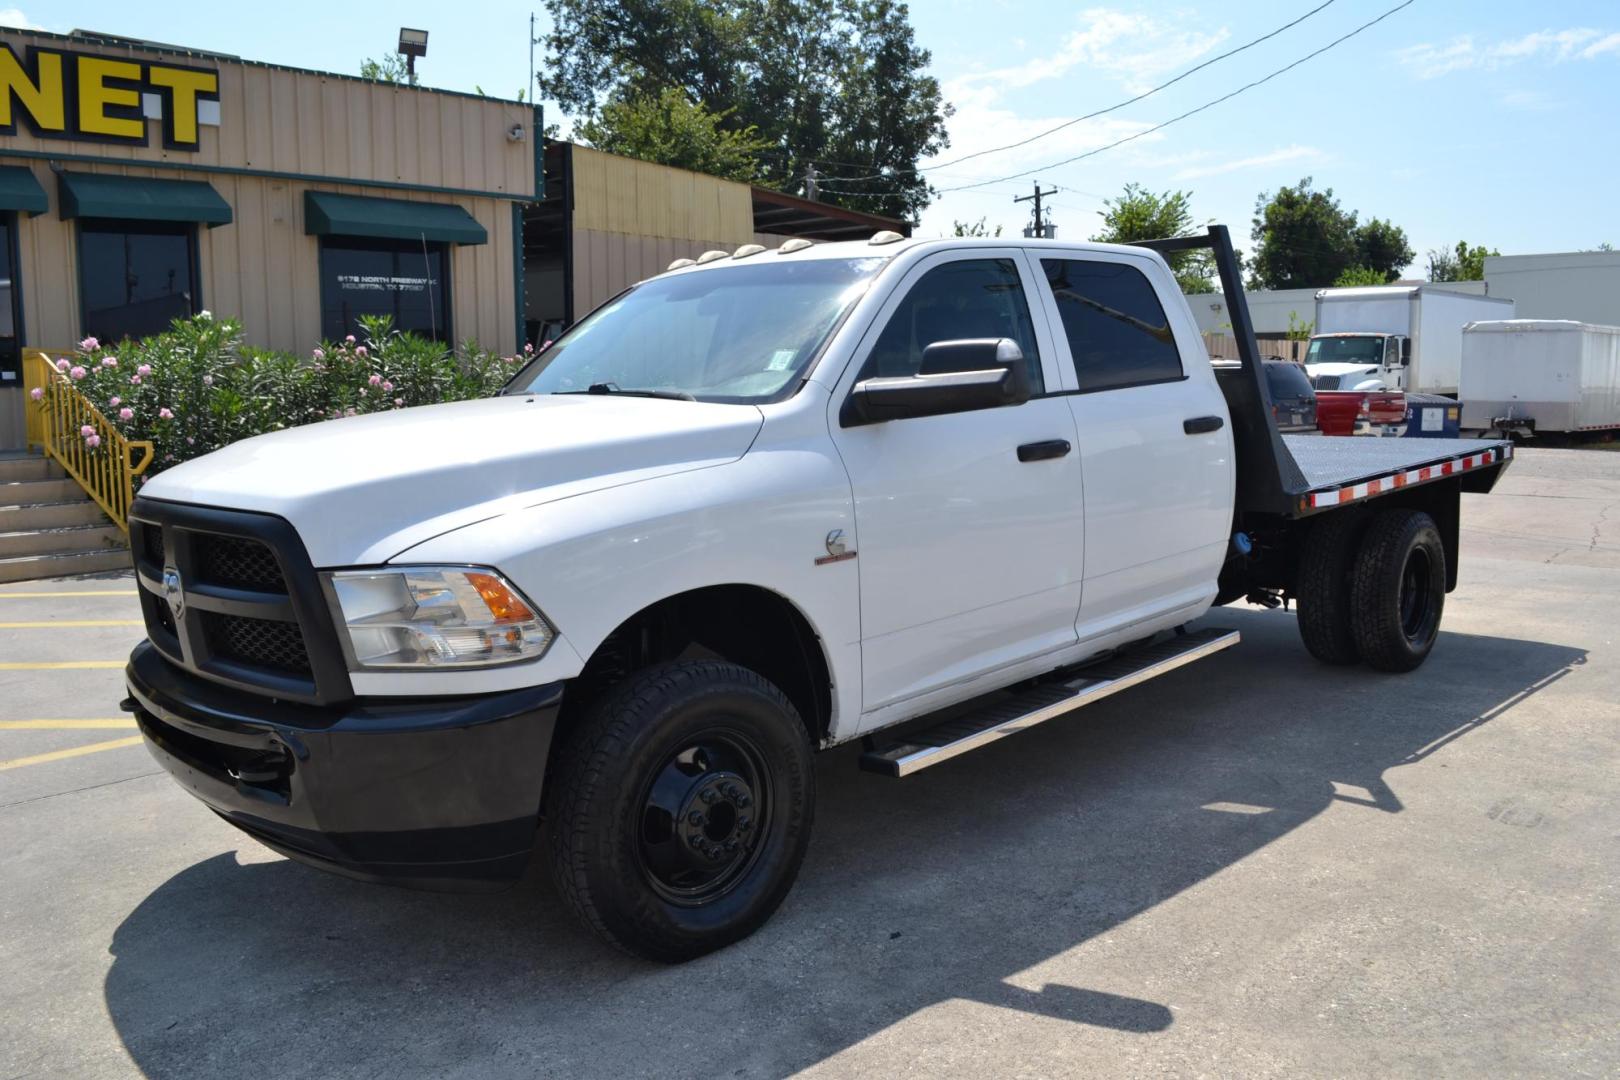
x=592, y=561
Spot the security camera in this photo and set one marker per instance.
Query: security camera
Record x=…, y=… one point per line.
x=514, y=133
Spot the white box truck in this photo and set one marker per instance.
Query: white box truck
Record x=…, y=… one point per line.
x=1540, y=375
x=1410, y=334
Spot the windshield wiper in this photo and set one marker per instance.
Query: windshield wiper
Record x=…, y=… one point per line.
x=614, y=388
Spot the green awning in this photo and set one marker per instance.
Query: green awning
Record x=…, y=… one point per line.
x=20, y=191
x=328, y=214
x=95, y=195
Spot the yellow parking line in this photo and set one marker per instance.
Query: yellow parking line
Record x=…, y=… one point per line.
x=77, y=751
x=52, y=595
x=65, y=725
x=60, y=665
x=53, y=624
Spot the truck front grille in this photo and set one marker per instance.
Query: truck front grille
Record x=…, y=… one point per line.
x=257, y=642
x=232, y=596
x=238, y=563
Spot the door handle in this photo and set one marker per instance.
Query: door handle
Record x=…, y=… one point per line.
x=1044, y=451
x=1202, y=425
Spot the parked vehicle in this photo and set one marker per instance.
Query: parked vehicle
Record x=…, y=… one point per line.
x=1525, y=376
x=1411, y=333
x=1377, y=413
x=1293, y=401
x=925, y=494
x=1345, y=376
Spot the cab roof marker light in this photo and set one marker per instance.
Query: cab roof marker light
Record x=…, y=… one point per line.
x=678, y=264
x=711, y=256
x=887, y=236
x=747, y=250
x=798, y=243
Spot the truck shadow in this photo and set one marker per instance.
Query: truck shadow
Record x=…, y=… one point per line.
x=943, y=886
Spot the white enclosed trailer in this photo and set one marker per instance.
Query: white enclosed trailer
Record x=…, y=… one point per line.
x=1540, y=375
x=1413, y=331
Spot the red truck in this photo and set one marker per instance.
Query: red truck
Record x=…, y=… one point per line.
x=1355, y=412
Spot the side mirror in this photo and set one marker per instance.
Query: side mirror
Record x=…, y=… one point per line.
x=955, y=376
x=1406, y=351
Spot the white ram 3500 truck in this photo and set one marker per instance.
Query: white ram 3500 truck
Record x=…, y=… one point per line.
x=924, y=494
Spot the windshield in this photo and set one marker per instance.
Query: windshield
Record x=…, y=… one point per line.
x=743, y=334
x=1345, y=350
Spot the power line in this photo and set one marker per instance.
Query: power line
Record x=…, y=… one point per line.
x=1190, y=112
x=1093, y=115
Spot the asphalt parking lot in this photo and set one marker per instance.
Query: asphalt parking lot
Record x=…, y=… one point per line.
x=1255, y=866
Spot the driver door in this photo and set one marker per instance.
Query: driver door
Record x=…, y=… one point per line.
x=970, y=525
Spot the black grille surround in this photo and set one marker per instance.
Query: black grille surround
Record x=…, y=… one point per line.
x=254, y=615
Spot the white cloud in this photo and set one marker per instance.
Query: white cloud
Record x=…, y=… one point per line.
x=16, y=20
x=1430, y=61
x=1275, y=157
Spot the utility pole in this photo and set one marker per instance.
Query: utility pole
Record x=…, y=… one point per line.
x=810, y=181
x=1041, y=228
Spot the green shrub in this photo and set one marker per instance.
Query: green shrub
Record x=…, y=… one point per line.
x=197, y=387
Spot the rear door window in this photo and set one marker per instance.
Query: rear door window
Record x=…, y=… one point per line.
x=1118, y=333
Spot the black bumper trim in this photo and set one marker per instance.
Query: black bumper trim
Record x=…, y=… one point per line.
x=427, y=791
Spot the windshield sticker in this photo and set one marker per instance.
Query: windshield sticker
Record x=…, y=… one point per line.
x=781, y=359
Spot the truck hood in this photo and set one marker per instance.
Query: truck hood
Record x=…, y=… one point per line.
x=361, y=490
x=1340, y=369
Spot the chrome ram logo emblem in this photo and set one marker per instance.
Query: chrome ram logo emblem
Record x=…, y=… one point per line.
x=174, y=592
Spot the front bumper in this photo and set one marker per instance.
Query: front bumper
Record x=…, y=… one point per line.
x=436, y=792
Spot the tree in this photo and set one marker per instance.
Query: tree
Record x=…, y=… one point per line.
x=390, y=69
x=840, y=84
x=973, y=228
x=1139, y=214
x=1304, y=239
x=1463, y=263
x=669, y=129
x=1359, y=275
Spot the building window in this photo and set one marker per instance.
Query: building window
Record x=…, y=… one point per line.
x=136, y=277
x=403, y=279
x=10, y=346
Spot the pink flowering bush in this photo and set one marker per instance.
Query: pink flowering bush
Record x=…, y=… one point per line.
x=198, y=387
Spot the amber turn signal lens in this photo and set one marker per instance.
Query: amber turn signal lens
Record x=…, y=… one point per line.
x=503, y=603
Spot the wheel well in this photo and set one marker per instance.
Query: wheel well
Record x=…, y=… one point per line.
x=745, y=624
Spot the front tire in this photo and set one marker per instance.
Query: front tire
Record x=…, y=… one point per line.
x=681, y=809
x=1398, y=590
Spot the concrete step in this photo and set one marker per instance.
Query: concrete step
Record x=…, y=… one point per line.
x=100, y=537
x=61, y=564
x=15, y=469
x=32, y=492
x=52, y=515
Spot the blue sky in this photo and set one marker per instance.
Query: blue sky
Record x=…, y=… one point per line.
x=1492, y=122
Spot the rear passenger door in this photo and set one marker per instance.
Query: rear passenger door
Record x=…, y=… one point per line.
x=1155, y=445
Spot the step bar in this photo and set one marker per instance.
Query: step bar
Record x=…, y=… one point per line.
x=917, y=750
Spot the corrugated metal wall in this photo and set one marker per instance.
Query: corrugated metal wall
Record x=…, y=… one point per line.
x=262, y=269
x=318, y=124
x=631, y=219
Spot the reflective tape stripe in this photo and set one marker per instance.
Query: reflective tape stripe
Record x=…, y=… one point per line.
x=1380, y=484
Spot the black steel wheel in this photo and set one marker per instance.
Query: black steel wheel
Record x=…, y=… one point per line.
x=1322, y=587
x=679, y=809
x=1398, y=590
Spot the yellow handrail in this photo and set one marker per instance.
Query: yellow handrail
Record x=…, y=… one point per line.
x=56, y=420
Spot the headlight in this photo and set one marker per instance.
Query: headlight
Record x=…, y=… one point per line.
x=437, y=616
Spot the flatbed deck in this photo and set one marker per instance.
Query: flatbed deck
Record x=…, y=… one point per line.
x=1343, y=469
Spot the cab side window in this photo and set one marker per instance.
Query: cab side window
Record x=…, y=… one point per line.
x=1117, y=330
x=972, y=298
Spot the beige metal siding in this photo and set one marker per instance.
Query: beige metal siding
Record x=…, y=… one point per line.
x=318, y=124
x=262, y=269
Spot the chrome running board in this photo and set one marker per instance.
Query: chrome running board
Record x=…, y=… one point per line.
x=1009, y=714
